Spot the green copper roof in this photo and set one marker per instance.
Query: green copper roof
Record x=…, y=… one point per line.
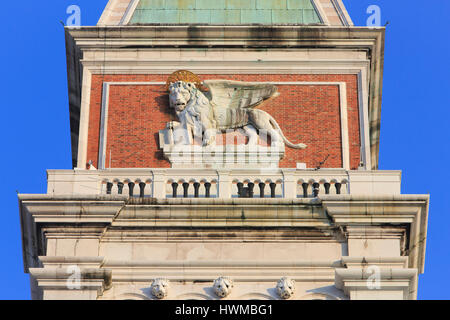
x=225, y=12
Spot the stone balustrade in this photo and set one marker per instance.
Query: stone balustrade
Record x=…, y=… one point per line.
x=192, y=189
x=234, y=183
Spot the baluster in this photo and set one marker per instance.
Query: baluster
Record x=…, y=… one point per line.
x=208, y=190
x=327, y=187
x=316, y=189
x=251, y=186
x=305, y=189
x=261, y=189
x=109, y=186
x=120, y=187
x=272, y=186
x=174, y=189
x=338, y=187
x=196, y=189
x=185, y=189
x=240, y=186
x=142, y=189
x=131, y=188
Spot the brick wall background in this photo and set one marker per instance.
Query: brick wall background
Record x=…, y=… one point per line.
x=307, y=114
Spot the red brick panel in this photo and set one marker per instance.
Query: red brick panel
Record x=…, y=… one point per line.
x=136, y=114
x=306, y=114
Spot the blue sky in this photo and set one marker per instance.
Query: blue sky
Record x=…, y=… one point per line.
x=414, y=127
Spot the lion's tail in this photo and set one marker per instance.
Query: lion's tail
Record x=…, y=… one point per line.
x=274, y=123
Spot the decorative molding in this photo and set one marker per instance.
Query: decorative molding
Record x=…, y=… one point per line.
x=292, y=36
x=126, y=296
x=193, y=296
x=320, y=296
x=165, y=67
x=256, y=296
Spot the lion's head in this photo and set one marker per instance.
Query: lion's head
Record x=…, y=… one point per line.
x=160, y=288
x=180, y=93
x=285, y=288
x=223, y=286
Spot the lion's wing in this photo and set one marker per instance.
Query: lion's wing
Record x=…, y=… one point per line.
x=239, y=95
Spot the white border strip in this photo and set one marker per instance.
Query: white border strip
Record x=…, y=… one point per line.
x=85, y=114
x=344, y=125
x=103, y=126
x=364, y=120
x=343, y=113
x=106, y=13
x=129, y=12
x=342, y=12
x=320, y=12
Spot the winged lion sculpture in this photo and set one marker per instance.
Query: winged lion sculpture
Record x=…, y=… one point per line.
x=230, y=105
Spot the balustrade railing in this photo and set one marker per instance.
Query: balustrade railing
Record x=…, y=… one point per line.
x=258, y=189
x=192, y=189
x=127, y=187
x=312, y=189
x=186, y=183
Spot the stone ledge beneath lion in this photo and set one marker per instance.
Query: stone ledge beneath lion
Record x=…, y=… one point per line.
x=229, y=156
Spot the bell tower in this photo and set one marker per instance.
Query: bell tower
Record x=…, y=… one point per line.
x=224, y=150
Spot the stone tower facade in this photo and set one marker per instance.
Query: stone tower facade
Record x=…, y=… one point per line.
x=224, y=150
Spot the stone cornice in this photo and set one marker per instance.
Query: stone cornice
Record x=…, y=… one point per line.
x=41, y=216
x=57, y=278
x=359, y=210
x=90, y=214
x=140, y=271
x=225, y=36
x=382, y=262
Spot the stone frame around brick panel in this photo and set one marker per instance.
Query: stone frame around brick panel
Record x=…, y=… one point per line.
x=342, y=86
x=361, y=72
x=94, y=64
